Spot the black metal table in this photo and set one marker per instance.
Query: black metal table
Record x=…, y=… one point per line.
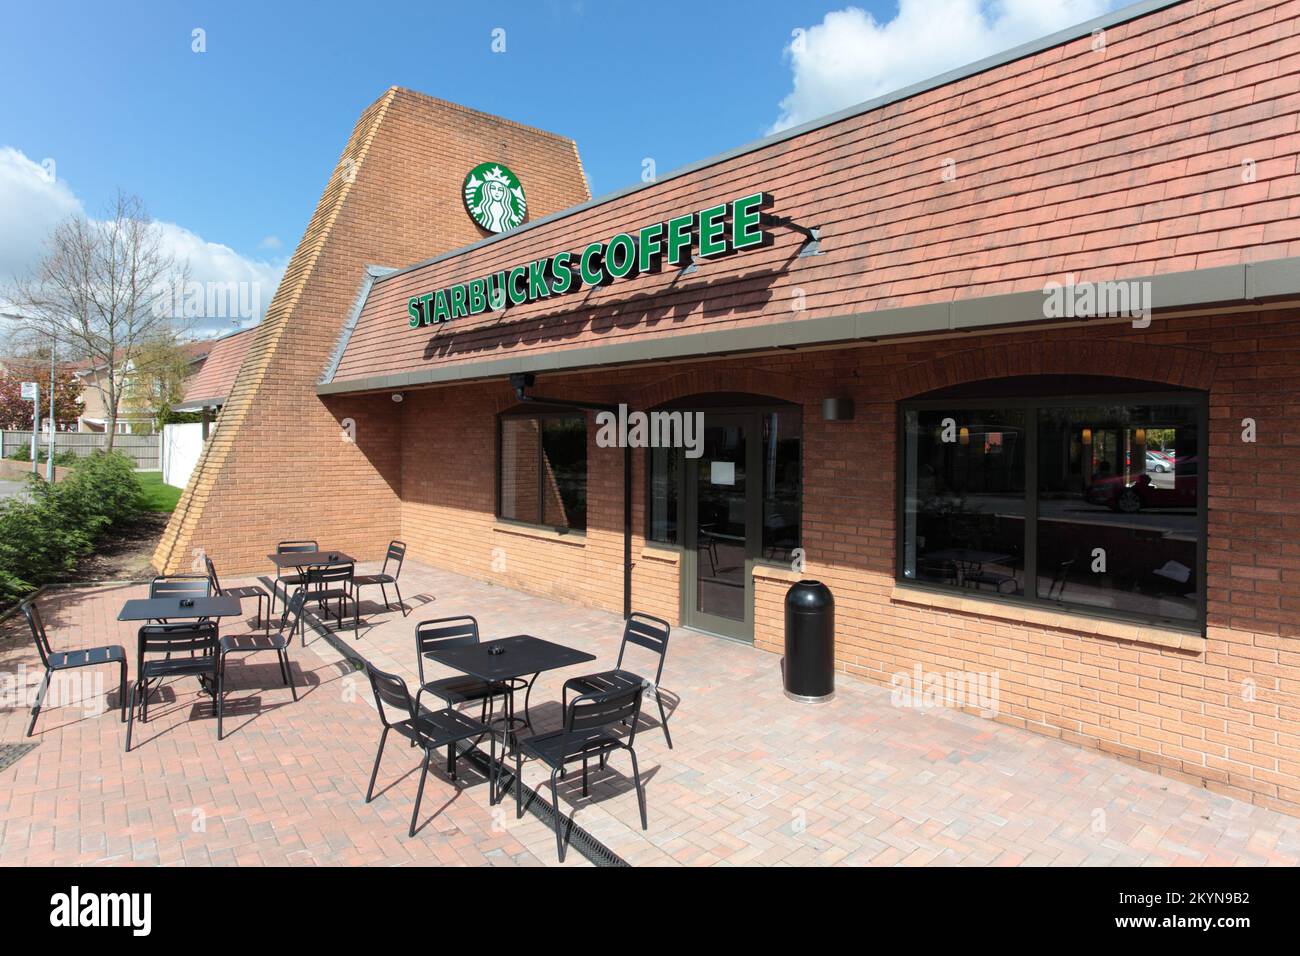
x=521, y=656
x=170, y=609
x=310, y=559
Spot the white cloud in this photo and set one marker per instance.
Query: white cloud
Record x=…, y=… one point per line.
x=850, y=56
x=270, y=242
x=32, y=202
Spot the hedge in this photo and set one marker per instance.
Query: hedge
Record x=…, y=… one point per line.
x=43, y=538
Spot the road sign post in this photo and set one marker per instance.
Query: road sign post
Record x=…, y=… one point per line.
x=31, y=392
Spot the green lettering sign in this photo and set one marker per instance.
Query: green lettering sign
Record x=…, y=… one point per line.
x=710, y=233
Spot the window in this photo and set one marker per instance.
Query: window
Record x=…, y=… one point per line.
x=542, y=470
x=782, y=483
x=1089, y=504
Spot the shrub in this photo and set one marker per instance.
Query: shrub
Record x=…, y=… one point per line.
x=44, y=537
x=60, y=457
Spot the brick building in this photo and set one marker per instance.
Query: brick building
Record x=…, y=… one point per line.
x=1009, y=359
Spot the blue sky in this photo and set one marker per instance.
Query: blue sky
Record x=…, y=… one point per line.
x=234, y=145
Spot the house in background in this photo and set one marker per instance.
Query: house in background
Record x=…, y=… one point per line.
x=131, y=421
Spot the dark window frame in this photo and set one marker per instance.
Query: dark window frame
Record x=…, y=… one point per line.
x=1196, y=400
x=539, y=415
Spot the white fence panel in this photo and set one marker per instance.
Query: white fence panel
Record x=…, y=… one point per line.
x=180, y=450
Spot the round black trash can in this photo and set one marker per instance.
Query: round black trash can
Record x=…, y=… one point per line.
x=809, y=642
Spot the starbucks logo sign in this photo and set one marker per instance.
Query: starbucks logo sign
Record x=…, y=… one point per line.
x=494, y=197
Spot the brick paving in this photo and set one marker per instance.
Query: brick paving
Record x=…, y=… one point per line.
x=753, y=778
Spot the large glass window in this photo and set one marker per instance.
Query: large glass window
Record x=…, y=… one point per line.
x=542, y=470
x=964, y=509
x=782, y=482
x=1091, y=504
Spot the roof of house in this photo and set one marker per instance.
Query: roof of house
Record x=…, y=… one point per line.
x=210, y=385
x=1108, y=156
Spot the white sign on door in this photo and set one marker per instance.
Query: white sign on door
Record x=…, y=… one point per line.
x=722, y=472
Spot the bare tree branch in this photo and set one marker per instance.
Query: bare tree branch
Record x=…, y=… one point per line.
x=103, y=289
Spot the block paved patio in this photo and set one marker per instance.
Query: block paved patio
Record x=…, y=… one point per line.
x=753, y=779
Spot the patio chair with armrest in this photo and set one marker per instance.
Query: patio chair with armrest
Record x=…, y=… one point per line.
x=646, y=631
x=244, y=591
x=68, y=660
x=288, y=581
x=397, y=554
x=252, y=643
x=430, y=731
x=588, y=733
x=197, y=637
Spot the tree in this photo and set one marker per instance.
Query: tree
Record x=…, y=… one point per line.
x=103, y=289
x=17, y=413
x=157, y=380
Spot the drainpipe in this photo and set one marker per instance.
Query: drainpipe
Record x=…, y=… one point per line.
x=521, y=381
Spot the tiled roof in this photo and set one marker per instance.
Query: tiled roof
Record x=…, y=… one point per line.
x=1171, y=146
x=211, y=384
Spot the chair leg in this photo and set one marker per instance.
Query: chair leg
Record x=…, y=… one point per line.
x=384, y=591
x=121, y=691
x=451, y=760
x=419, y=792
x=40, y=698
x=220, y=690
x=584, y=777
x=400, y=602
x=130, y=715
x=494, y=771
x=370, y=790
x=663, y=719
x=288, y=669
x=559, y=817
x=519, y=782
x=640, y=791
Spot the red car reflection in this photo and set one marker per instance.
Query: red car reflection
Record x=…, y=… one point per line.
x=1143, y=493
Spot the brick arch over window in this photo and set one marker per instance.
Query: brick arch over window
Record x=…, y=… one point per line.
x=1171, y=365
x=710, y=378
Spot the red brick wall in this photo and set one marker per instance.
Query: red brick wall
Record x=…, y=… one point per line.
x=278, y=466
x=1129, y=690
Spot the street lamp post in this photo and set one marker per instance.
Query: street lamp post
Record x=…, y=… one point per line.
x=49, y=451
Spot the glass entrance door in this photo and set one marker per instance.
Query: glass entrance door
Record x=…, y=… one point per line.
x=723, y=526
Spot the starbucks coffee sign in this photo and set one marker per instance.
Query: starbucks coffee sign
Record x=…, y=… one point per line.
x=707, y=234
x=494, y=197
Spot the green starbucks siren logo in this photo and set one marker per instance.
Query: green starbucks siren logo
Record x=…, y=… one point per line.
x=494, y=197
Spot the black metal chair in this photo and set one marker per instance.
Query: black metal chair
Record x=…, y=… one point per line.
x=646, y=631
x=288, y=581
x=245, y=591
x=199, y=638
x=589, y=721
x=179, y=586
x=68, y=660
x=333, y=583
x=397, y=554
x=252, y=643
x=459, y=688
x=430, y=731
